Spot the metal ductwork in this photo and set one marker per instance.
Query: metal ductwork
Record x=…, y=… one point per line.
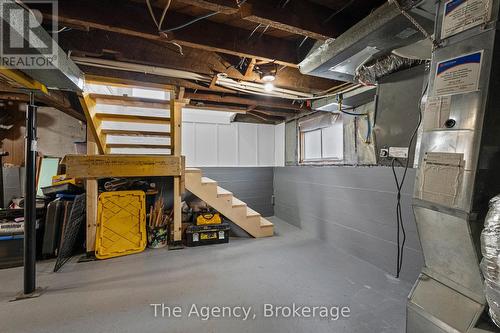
x=351, y=99
x=26, y=46
x=383, y=31
x=370, y=73
x=490, y=265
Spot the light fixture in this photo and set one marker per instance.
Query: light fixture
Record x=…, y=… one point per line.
x=268, y=86
x=269, y=77
x=267, y=72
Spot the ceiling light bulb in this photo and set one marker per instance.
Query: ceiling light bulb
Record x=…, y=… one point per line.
x=268, y=78
x=268, y=87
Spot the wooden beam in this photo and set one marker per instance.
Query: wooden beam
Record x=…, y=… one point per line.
x=250, y=67
x=176, y=141
x=299, y=17
x=221, y=108
x=92, y=193
x=93, y=122
x=134, y=20
x=150, y=78
x=140, y=102
x=266, y=116
x=119, y=82
x=53, y=98
x=19, y=79
x=228, y=7
x=175, y=126
x=231, y=99
x=141, y=51
x=105, y=166
x=142, y=77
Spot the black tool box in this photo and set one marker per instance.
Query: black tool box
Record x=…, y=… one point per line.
x=197, y=235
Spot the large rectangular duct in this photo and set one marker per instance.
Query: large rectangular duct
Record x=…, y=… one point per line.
x=458, y=169
x=378, y=34
x=22, y=33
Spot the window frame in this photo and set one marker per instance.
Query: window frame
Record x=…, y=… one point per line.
x=317, y=161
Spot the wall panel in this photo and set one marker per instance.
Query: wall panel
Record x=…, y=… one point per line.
x=352, y=208
x=228, y=144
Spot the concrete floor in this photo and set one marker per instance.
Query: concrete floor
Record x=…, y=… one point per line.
x=115, y=295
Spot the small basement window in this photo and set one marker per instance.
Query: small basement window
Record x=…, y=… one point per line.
x=321, y=139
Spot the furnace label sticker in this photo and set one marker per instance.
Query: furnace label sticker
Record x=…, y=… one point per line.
x=458, y=75
x=437, y=112
x=461, y=15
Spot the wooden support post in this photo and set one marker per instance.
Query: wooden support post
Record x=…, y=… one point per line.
x=176, y=143
x=177, y=211
x=91, y=195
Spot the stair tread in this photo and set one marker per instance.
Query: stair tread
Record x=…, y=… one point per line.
x=206, y=180
x=131, y=101
x=130, y=117
x=134, y=132
x=132, y=145
x=222, y=192
x=265, y=223
x=251, y=212
x=238, y=212
x=238, y=202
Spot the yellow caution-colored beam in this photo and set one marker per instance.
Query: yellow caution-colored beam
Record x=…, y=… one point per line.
x=22, y=79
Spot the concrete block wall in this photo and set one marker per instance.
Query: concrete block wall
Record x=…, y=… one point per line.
x=352, y=208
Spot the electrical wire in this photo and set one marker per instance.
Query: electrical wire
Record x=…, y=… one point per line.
x=264, y=31
x=63, y=29
x=160, y=24
x=303, y=41
x=285, y=3
x=338, y=11
x=399, y=186
x=184, y=25
x=163, y=14
x=254, y=30
x=366, y=114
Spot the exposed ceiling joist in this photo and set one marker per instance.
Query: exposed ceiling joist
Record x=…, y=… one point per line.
x=100, y=43
x=53, y=98
x=134, y=20
x=299, y=17
x=262, y=103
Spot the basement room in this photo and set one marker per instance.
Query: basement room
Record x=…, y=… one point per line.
x=249, y=166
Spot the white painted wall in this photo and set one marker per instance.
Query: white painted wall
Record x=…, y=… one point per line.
x=279, y=145
x=216, y=142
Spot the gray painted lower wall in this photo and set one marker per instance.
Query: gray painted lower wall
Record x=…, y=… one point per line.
x=253, y=186
x=352, y=208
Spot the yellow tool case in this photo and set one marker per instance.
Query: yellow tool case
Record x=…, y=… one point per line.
x=121, y=224
x=207, y=218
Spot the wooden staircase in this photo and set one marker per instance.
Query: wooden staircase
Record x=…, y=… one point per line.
x=130, y=125
x=224, y=201
x=127, y=125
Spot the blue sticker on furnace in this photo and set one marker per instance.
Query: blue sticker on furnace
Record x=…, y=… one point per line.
x=451, y=6
x=474, y=58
